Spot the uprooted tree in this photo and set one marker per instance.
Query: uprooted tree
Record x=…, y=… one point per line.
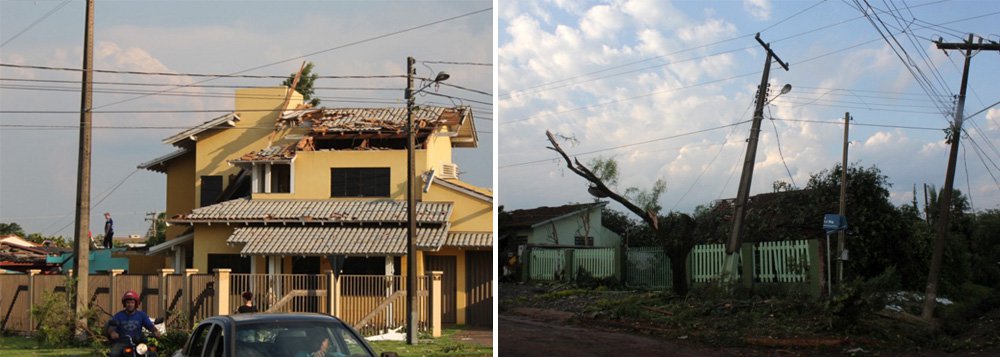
x=676, y=241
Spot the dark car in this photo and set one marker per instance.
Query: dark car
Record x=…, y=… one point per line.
x=293, y=335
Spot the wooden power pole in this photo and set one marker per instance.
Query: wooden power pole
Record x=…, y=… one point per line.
x=81, y=248
x=843, y=200
x=944, y=203
x=729, y=266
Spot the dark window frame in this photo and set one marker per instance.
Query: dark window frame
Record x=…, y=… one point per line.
x=360, y=182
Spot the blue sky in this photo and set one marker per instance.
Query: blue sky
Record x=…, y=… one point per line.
x=38, y=175
x=666, y=88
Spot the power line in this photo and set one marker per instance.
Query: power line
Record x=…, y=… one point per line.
x=861, y=124
x=633, y=144
x=777, y=139
x=631, y=98
x=212, y=75
x=458, y=63
x=326, y=50
x=19, y=33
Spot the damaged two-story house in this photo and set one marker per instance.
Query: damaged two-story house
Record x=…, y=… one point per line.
x=278, y=187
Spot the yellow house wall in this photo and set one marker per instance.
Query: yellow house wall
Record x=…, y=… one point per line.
x=211, y=240
x=180, y=190
x=438, y=150
x=141, y=264
x=461, y=299
x=256, y=107
x=468, y=214
x=312, y=171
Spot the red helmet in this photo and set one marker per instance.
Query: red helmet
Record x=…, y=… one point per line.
x=130, y=295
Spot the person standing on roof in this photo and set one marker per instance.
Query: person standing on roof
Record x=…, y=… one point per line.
x=109, y=230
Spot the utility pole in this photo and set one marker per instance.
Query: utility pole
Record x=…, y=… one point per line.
x=82, y=240
x=944, y=203
x=729, y=266
x=411, y=219
x=843, y=200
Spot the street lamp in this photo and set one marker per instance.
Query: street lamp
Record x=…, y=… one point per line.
x=411, y=212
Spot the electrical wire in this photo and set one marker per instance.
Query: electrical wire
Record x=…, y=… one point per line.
x=459, y=63
x=853, y=123
x=633, y=144
x=19, y=33
x=777, y=138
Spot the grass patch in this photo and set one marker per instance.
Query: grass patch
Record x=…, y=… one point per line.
x=18, y=346
x=446, y=345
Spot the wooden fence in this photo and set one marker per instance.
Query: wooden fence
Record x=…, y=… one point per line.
x=371, y=303
x=705, y=262
x=600, y=262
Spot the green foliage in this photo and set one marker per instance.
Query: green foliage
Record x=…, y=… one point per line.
x=585, y=279
x=305, y=85
x=55, y=325
x=11, y=228
x=170, y=342
x=853, y=300
x=161, y=230
x=56, y=318
x=649, y=199
x=984, y=242
x=606, y=169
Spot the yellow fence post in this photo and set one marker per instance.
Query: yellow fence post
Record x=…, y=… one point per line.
x=222, y=291
x=114, y=294
x=332, y=293
x=436, y=303
x=31, y=295
x=163, y=291
x=188, y=294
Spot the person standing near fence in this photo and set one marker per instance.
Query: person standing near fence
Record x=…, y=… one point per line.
x=247, y=306
x=109, y=230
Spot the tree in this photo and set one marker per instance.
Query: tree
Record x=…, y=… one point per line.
x=677, y=241
x=11, y=228
x=305, y=84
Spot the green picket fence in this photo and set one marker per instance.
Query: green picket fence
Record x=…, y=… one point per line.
x=599, y=262
x=705, y=262
x=545, y=264
x=648, y=267
x=782, y=262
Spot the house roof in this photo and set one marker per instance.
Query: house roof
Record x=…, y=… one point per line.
x=333, y=240
x=469, y=240
x=275, y=153
x=158, y=164
x=185, y=237
x=315, y=212
x=224, y=121
x=389, y=120
x=536, y=216
x=484, y=194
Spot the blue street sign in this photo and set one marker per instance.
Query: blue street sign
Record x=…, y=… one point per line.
x=834, y=222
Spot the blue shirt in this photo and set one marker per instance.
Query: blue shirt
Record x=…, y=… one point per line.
x=132, y=325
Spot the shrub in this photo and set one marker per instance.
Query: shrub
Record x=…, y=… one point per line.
x=857, y=298
x=55, y=319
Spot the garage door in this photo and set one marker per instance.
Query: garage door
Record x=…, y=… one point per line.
x=479, y=281
x=448, y=284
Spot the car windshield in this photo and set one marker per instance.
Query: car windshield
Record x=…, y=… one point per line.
x=297, y=339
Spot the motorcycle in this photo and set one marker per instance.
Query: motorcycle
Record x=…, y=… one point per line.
x=139, y=348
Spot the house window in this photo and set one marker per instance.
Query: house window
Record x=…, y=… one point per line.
x=272, y=178
x=238, y=264
x=211, y=189
x=359, y=182
x=584, y=241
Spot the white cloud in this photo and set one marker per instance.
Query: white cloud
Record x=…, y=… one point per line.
x=709, y=31
x=759, y=9
x=601, y=22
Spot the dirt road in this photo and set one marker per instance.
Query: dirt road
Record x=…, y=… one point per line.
x=519, y=335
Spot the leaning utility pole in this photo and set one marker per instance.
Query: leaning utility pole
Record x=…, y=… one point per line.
x=412, y=316
x=944, y=203
x=729, y=266
x=81, y=247
x=843, y=200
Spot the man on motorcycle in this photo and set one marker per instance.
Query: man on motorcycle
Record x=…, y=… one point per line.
x=128, y=322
